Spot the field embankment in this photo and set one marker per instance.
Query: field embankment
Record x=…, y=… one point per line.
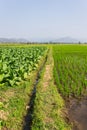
x=48, y=104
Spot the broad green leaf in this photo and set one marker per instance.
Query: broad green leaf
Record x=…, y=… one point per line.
x=25, y=75
x=1, y=77
x=1, y=105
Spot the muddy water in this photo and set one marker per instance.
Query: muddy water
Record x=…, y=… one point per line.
x=77, y=112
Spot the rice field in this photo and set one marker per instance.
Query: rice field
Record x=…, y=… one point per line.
x=71, y=69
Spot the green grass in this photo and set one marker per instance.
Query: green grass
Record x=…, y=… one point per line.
x=15, y=100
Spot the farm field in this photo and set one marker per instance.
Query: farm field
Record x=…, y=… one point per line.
x=43, y=87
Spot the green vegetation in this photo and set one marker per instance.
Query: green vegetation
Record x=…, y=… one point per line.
x=70, y=69
x=17, y=63
x=65, y=72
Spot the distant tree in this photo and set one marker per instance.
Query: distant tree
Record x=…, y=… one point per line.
x=79, y=42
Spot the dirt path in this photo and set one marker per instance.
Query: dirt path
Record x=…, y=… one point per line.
x=47, y=76
x=46, y=88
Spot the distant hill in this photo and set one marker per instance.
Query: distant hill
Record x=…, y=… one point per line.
x=66, y=40
x=22, y=40
x=14, y=40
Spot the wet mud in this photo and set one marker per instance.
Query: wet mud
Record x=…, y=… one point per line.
x=77, y=113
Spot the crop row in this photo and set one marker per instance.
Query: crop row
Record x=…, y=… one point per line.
x=17, y=63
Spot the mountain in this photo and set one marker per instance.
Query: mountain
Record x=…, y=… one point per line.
x=41, y=40
x=66, y=40
x=14, y=40
x=59, y=40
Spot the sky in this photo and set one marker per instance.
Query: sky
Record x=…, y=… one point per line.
x=43, y=19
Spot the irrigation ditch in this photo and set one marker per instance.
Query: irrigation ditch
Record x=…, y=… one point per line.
x=27, y=123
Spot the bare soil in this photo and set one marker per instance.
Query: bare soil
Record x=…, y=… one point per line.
x=47, y=76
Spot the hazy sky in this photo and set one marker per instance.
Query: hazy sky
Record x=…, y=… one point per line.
x=36, y=19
